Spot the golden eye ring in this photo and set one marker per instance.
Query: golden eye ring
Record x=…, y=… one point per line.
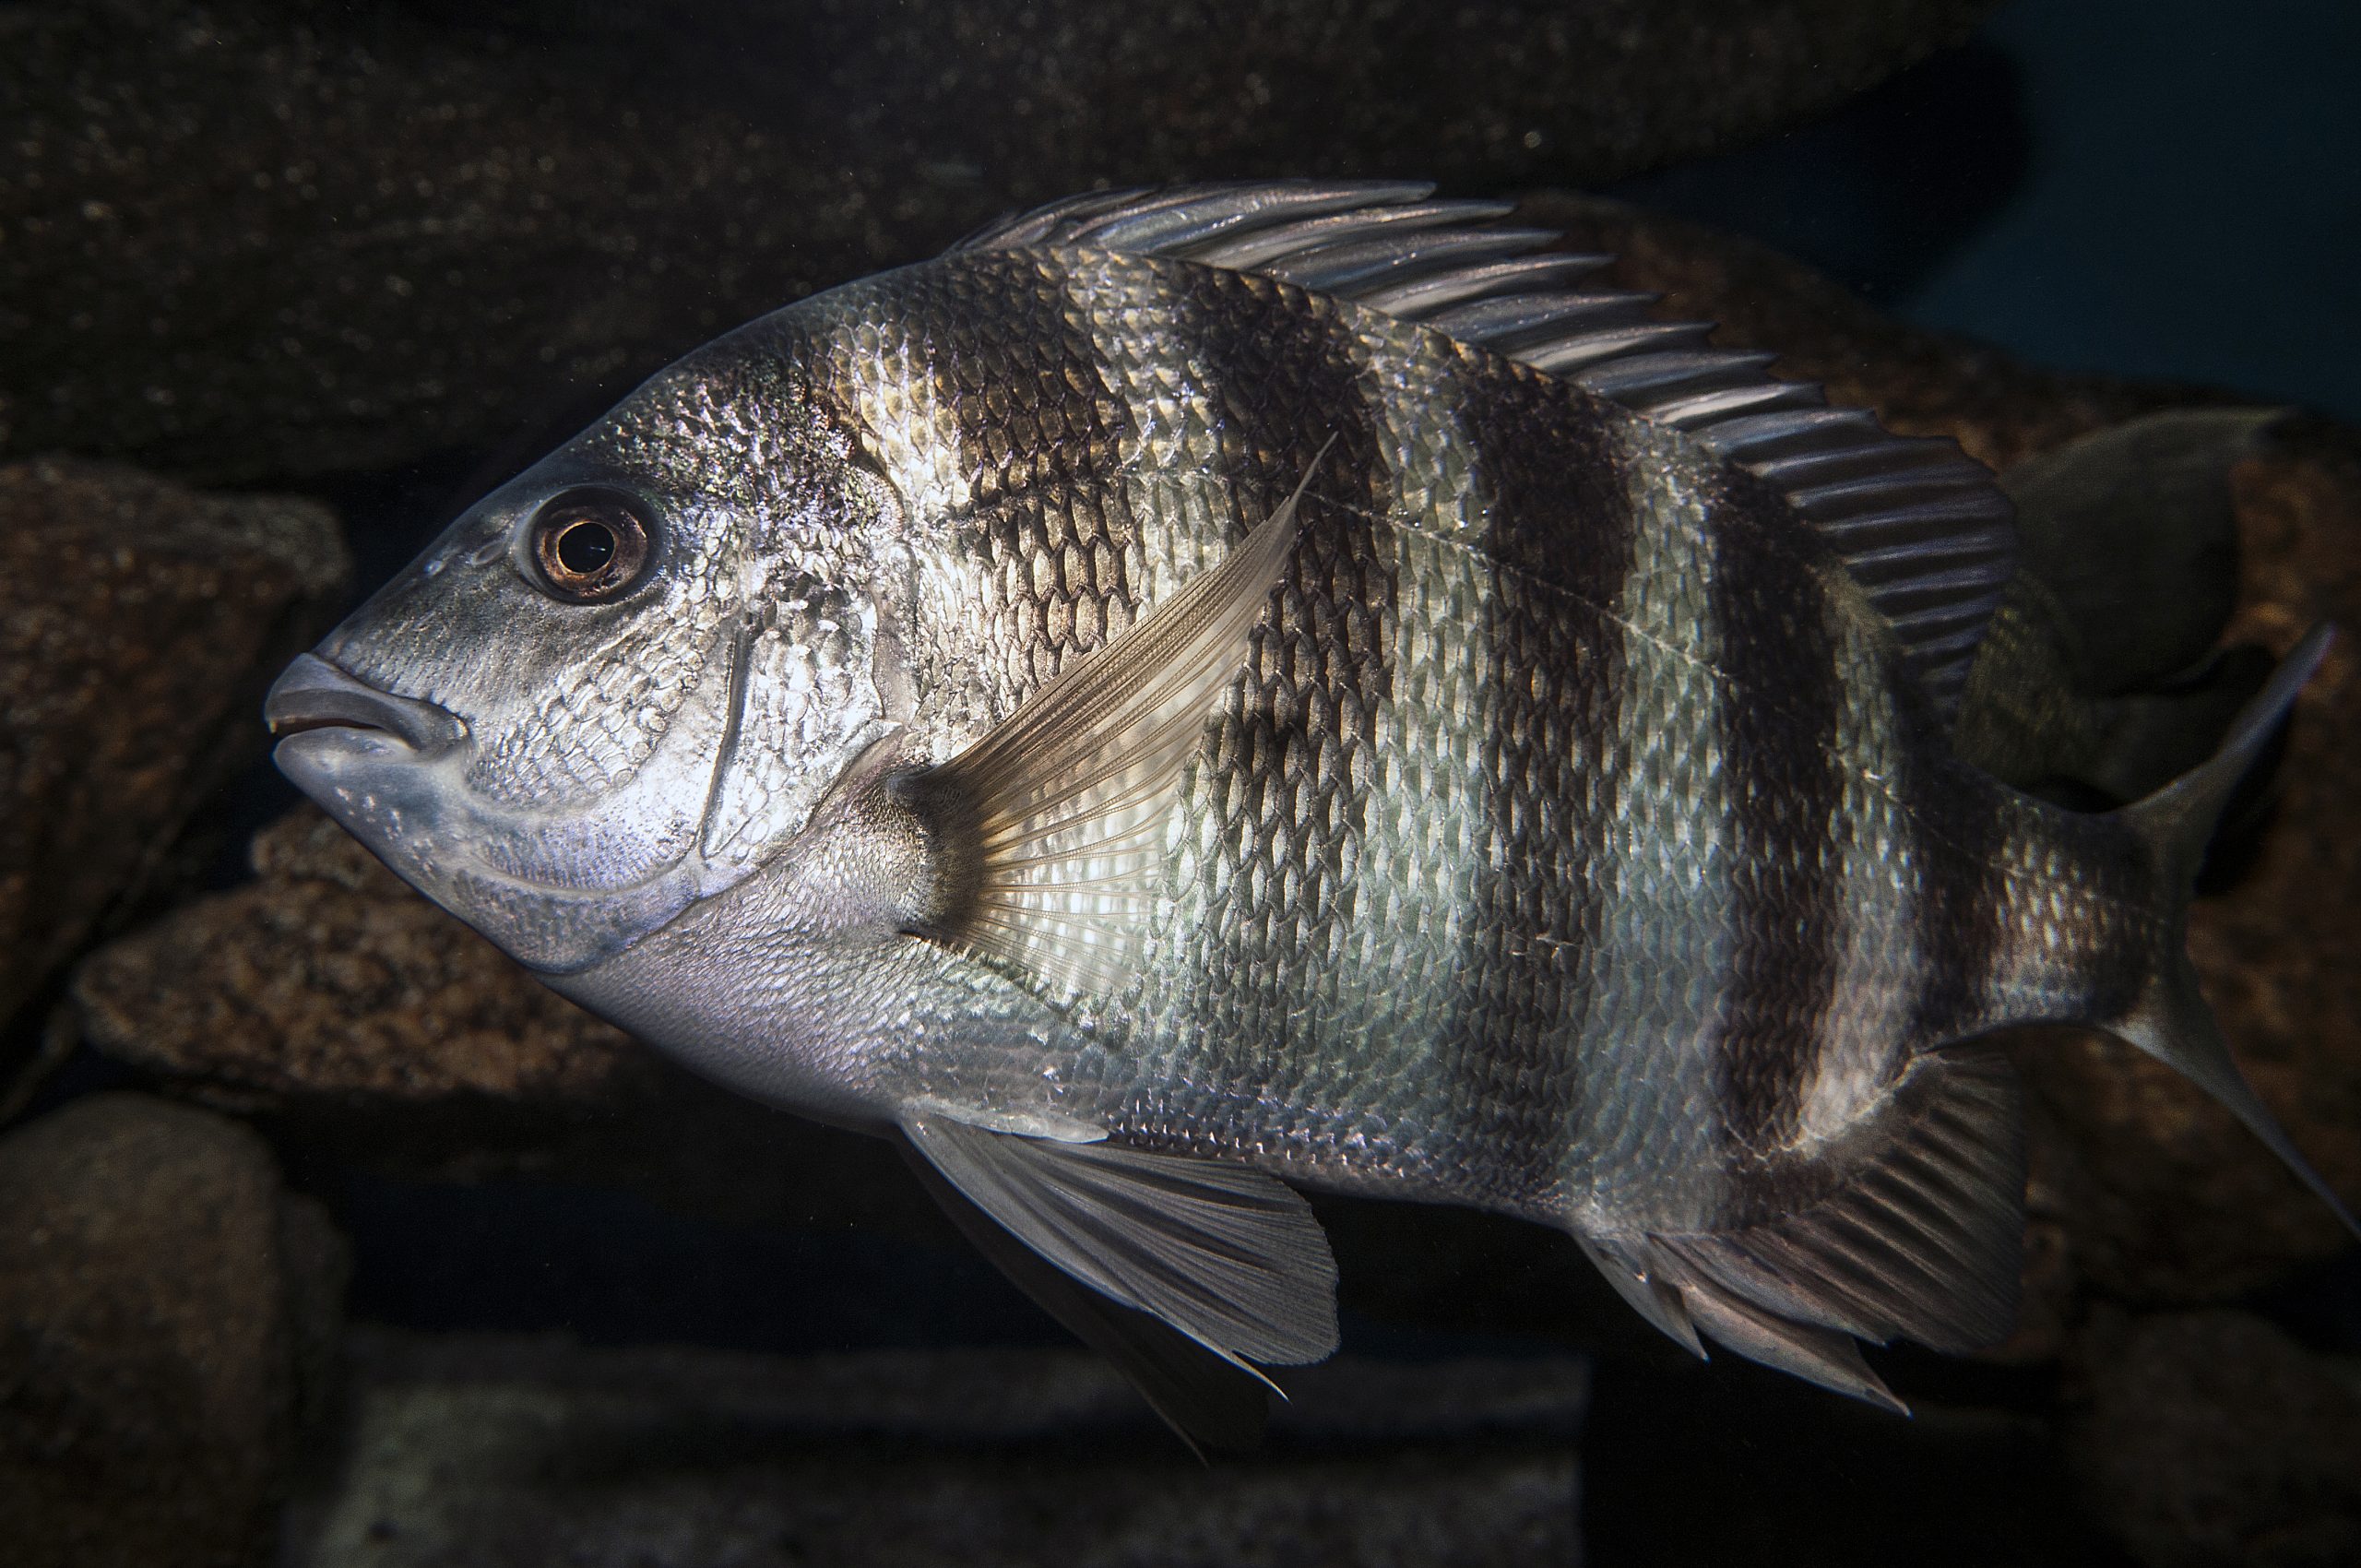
x=591, y=547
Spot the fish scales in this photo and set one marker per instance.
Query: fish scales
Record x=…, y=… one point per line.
x=1250, y=1039
x=1746, y=986
x=1131, y=718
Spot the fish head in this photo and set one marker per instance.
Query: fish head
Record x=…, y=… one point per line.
x=622, y=681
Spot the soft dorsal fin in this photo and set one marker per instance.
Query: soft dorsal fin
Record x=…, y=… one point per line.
x=1922, y=527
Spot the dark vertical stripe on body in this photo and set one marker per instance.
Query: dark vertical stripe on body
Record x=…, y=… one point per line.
x=1041, y=433
x=1780, y=705
x=1560, y=530
x=1959, y=844
x=1280, y=370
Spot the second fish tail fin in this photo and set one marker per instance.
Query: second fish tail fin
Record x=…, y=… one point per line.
x=2170, y=1020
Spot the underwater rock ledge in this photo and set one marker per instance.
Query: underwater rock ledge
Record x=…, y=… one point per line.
x=250, y=240
x=139, y=624
x=168, y=1337
x=477, y=1450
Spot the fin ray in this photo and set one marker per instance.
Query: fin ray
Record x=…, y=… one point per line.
x=1918, y=1234
x=1052, y=824
x=1941, y=530
x=1203, y=1395
x=1227, y=1256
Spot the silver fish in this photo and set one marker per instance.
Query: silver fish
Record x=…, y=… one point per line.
x=1197, y=690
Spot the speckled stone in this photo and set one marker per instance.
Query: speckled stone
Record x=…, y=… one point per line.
x=261, y=238
x=167, y=1333
x=139, y=625
x=328, y=977
x=504, y=1454
x=2214, y=1440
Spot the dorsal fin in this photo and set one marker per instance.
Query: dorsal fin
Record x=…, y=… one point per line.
x=1922, y=527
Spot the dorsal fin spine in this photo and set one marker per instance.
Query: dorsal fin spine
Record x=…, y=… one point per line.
x=1921, y=526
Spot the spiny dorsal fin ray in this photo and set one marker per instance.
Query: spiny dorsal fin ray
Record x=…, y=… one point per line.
x=1927, y=533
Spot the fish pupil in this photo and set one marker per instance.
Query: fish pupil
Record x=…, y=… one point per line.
x=585, y=547
x=589, y=547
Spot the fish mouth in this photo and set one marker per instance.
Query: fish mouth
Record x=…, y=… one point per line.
x=314, y=695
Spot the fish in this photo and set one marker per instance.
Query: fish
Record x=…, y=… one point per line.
x=2098, y=679
x=1201, y=694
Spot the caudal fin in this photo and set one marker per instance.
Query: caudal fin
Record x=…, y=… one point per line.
x=2171, y=1021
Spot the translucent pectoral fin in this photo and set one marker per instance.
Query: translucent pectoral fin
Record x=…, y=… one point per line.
x=1227, y=1256
x=1051, y=827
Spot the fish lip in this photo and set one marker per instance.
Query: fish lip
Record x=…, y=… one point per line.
x=316, y=694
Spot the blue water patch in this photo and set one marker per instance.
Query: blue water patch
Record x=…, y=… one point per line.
x=2192, y=207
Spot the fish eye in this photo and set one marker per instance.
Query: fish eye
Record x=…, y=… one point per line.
x=591, y=546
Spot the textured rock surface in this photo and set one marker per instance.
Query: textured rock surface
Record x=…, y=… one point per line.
x=2212, y=1440
x=167, y=1318
x=261, y=237
x=328, y=977
x=519, y=1454
x=139, y=626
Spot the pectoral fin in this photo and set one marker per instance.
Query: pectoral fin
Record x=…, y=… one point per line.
x=1050, y=829
x=1227, y=1256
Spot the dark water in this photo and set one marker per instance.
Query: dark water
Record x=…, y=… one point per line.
x=2163, y=189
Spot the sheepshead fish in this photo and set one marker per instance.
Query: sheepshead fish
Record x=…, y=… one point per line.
x=1194, y=693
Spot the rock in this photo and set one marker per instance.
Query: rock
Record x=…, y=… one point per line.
x=167, y=1329
x=2214, y=1440
x=516, y=1455
x=328, y=977
x=261, y=239
x=140, y=626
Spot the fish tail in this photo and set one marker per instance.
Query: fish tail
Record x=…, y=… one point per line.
x=2169, y=1018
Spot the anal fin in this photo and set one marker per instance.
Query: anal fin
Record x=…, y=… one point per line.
x=1915, y=1232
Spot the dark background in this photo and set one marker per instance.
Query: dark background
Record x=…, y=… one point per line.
x=2166, y=188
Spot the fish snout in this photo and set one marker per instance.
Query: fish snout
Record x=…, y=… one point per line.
x=316, y=694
